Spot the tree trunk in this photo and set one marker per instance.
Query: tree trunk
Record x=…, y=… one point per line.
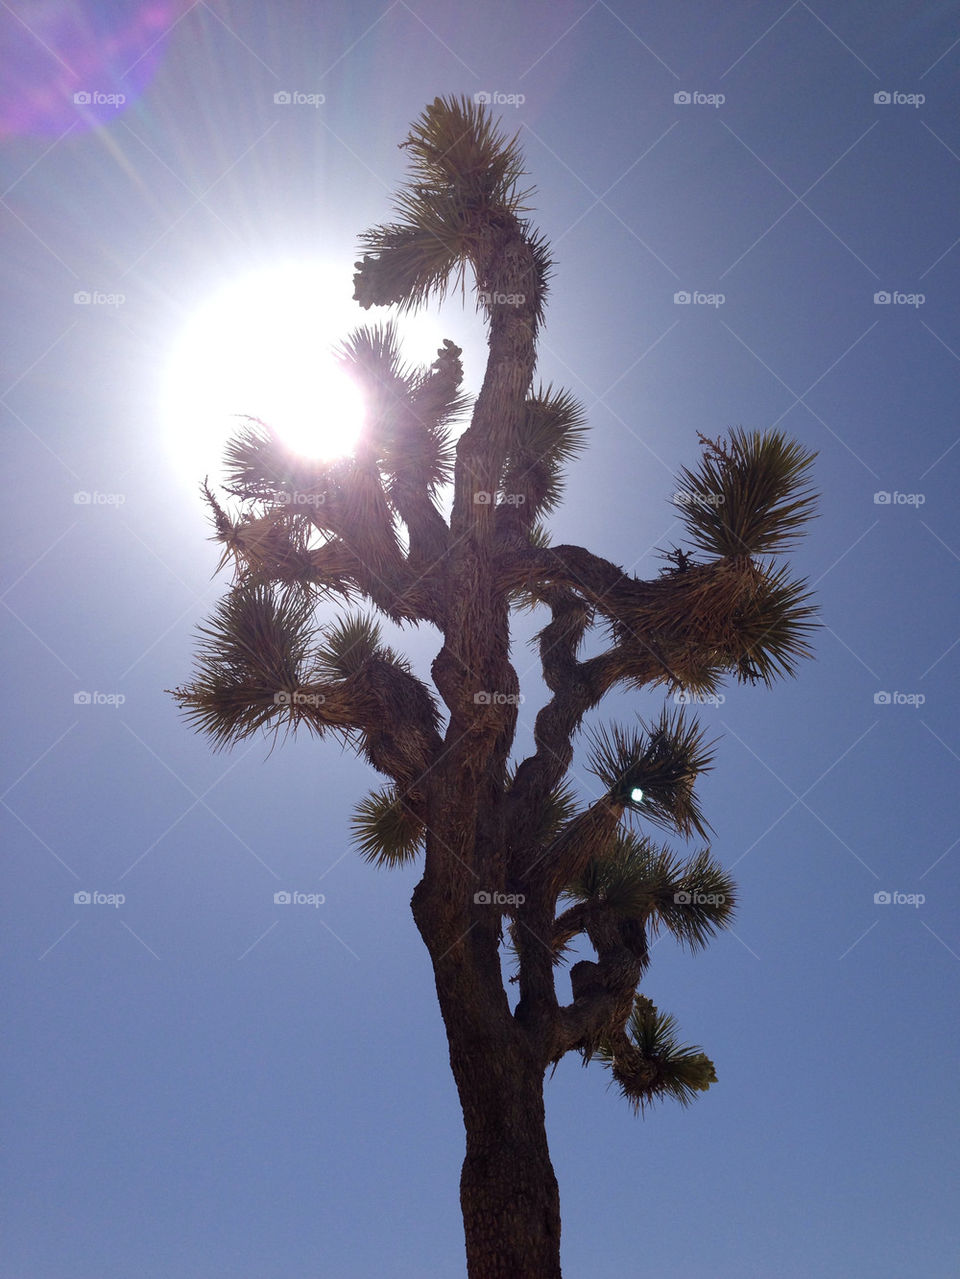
x=508, y=1190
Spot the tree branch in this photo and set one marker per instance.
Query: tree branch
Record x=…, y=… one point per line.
x=603, y=995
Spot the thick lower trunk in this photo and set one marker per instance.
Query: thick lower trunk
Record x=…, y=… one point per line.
x=508, y=1191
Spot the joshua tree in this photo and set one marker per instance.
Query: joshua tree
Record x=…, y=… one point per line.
x=506, y=845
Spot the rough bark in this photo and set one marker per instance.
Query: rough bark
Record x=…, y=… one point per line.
x=508, y=1189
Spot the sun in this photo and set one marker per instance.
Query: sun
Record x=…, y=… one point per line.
x=262, y=347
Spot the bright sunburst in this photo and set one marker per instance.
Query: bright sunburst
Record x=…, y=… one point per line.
x=262, y=347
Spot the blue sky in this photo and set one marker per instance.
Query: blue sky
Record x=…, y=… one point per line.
x=200, y=1083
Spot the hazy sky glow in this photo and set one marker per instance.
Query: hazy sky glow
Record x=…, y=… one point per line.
x=262, y=347
x=754, y=213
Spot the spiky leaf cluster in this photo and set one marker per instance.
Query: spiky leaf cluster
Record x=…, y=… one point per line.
x=706, y=621
x=773, y=623
x=386, y=831
x=259, y=466
x=650, y=1064
x=463, y=184
x=692, y=899
x=348, y=643
x=748, y=496
x=552, y=433
x=556, y=809
x=407, y=412
x=254, y=654
x=662, y=761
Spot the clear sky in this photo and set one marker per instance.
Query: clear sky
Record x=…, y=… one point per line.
x=200, y=1083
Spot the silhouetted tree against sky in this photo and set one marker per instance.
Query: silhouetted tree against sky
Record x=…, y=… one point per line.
x=508, y=849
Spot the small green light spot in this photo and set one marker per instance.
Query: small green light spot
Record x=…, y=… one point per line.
x=636, y=795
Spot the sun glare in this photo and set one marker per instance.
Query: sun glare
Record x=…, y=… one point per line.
x=262, y=347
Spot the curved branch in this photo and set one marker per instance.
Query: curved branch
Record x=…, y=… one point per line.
x=577, y=687
x=694, y=623
x=603, y=995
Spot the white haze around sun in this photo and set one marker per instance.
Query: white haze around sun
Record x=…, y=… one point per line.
x=262, y=347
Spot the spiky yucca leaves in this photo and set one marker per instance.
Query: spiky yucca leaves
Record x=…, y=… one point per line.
x=638, y=881
x=259, y=466
x=437, y=396
x=748, y=496
x=343, y=498
x=276, y=548
x=773, y=624
x=703, y=621
x=371, y=357
x=703, y=902
x=462, y=194
x=290, y=503
x=437, y=403
x=407, y=411
x=554, y=812
x=652, y=770
x=650, y=1064
x=253, y=656
x=552, y=433
x=348, y=643
x=386, y=831
x=539, y=535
